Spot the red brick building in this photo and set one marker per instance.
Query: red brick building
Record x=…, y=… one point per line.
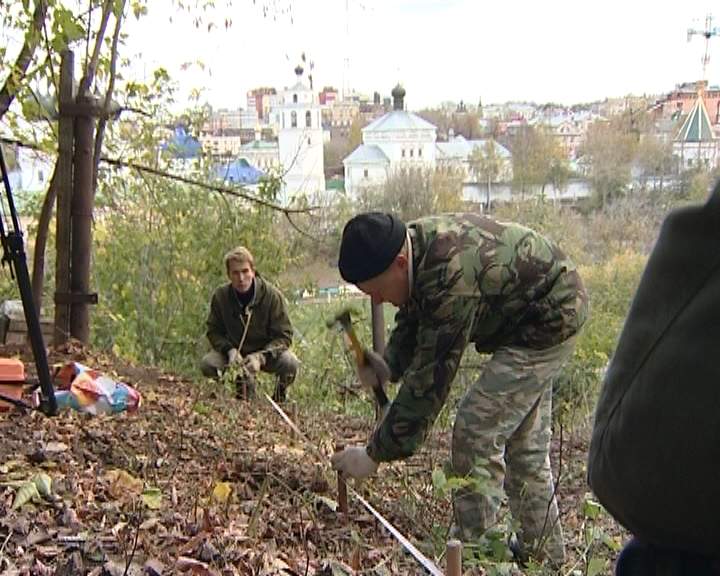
x=681, y=101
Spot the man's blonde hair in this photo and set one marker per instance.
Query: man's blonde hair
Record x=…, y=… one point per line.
x=240, y=254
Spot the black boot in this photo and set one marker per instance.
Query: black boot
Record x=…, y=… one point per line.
x=280, y=394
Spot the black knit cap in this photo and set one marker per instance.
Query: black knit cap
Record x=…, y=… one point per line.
x=369, y=244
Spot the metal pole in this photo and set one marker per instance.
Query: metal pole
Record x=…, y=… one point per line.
x=14, y=253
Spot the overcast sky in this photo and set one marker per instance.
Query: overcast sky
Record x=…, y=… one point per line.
x=564, y=51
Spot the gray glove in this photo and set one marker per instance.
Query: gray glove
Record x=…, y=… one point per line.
x=354, y=462
x=254, y=362
x=234, y=356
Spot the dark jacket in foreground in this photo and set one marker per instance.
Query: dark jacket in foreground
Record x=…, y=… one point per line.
x=654, y=459
x=266, y=318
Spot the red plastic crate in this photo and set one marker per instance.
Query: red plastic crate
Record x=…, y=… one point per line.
x=12, y=380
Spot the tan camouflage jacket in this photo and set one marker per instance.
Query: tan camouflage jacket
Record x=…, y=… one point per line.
x=475, y=281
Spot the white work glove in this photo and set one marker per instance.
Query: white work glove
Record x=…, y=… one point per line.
x=234, y=356
x=354, y=462
x=374, y=372
x=254, y=362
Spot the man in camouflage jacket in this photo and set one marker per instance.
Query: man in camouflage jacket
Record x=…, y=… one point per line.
x=466, y=279
x=248, y=327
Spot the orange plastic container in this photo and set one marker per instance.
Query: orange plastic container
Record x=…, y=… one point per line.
x=12, y=380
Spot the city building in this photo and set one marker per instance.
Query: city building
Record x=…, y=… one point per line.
x=328, y=95
x=457, y=153
x=262, y=100
x=396, y=140
x=682, y=100
x=300, y=139
x=696, y=143
x=262, y=154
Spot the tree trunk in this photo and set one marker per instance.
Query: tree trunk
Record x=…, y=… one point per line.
x=46, y=212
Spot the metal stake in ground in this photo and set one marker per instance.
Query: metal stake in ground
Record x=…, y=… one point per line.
x=342, y=487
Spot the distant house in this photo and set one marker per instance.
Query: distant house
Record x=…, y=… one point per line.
x=31, y=173
x=401, y=140
x=261, y=153
x=696, y=143
x=682, y=100
x=458, y=151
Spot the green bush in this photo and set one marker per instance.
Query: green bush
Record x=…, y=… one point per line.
x=158, y=257
x=610, y=287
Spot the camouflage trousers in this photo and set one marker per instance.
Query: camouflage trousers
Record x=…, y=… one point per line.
x=504, y=422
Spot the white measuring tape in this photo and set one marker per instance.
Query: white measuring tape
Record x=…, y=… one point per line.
x=428, y=564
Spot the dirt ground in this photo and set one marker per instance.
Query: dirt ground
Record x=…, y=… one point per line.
x=197, y=482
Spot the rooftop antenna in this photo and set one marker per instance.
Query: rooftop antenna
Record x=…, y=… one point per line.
x=707, y=33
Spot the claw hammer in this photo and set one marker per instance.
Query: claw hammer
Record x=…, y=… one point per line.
x=343, y=320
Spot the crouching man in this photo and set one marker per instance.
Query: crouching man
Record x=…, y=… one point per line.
x=248, y=328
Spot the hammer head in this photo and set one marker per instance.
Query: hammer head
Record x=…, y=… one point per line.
x=342, y=319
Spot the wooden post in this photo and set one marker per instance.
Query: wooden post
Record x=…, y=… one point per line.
x=64, y=199
x=293, y=417
x=454, y=558
x=342, y=487
x=82, y=210
x=378, y=328
x=378, y=337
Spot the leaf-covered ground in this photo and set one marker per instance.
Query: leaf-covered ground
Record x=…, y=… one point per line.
x=197, y=482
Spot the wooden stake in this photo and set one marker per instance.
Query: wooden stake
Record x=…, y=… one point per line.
x=454, y=558
x=64, y=200
x=293, y=417
x=342, y=487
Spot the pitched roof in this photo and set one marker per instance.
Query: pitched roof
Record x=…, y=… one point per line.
x=239, y=171
x=399, y=120
x=697, y=126
x=461, y=148
x=367, y=154
x=182, y=145
x=259, y=145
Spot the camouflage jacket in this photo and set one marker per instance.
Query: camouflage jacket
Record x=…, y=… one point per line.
x=475, y=281
x=265, y=319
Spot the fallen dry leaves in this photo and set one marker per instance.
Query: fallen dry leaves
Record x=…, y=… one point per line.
x=195, y=483
x=198, y=483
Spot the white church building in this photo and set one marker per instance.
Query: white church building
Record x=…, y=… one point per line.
x=300, y=139
x=401, y=140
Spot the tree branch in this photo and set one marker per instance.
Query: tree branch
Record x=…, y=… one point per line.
x=91, y=66
x=17, y=72
x=300, y=230
x=46, y=212
x=238, y=193
x=102, y=122
x=206, y=186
